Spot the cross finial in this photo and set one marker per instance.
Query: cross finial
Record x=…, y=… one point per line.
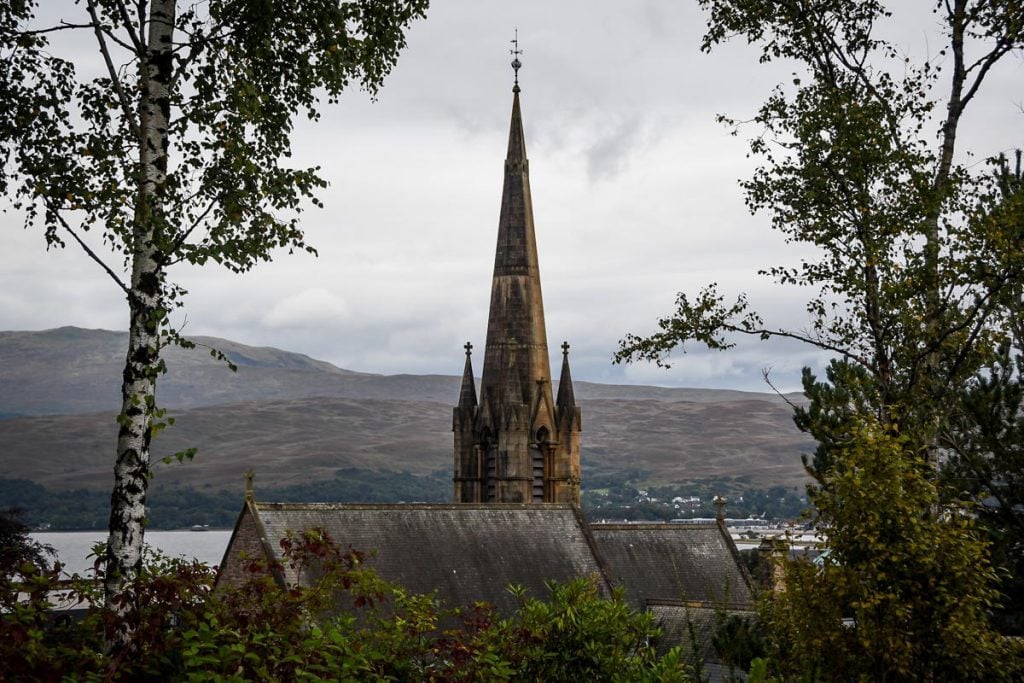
x=515, y=52
x=469, y=348
x=565, y=348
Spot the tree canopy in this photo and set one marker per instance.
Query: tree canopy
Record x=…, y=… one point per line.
x=900, y=594
x=914, y=279
x=176, y=152
x=915, y=285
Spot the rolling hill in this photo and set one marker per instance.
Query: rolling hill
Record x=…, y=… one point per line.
x=293, y=419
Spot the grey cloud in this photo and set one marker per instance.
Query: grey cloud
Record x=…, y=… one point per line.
x=608, y=156
x=634, y=190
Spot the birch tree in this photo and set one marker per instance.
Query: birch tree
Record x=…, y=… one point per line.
x=176, y=153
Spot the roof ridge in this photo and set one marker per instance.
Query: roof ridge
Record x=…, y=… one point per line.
x=269, y=505
x=651, y=526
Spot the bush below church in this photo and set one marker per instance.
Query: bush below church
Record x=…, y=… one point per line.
x=348, y=624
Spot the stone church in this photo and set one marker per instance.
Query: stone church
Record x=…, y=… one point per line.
x=515, y=518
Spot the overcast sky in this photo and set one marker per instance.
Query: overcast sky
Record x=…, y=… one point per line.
x=634, y=187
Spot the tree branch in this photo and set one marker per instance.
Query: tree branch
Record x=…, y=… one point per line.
x=140, y=8
x=112, y=71
x=197, y=45
x=126, y=20
x=64, y=26
x=1003, y=46
x=110, y=34
x=765, y=372
x=185, y=235
x=88, y=250
x=820, y=343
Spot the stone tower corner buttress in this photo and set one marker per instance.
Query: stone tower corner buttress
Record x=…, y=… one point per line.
x=569, y=419
x=468, y=473
x=516, y=444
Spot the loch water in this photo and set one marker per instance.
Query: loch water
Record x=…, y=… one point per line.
x=73, y=547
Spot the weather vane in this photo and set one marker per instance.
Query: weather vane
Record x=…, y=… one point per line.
x=515, y=52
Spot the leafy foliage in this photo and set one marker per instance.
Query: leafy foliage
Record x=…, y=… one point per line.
x=241, y=72
x=903, y=592
x=341, y=622
x=578, y=635
x=985, y=435
x=16, y=548
x=987, y=465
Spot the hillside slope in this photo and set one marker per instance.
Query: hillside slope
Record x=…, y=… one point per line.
x=293, y=419
x=72, y=370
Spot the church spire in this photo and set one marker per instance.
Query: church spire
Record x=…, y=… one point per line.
x=516, y=141
x=516, y=155
x=514, y=449
x=517, y=307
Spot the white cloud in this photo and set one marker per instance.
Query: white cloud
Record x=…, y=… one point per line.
x=308, y=308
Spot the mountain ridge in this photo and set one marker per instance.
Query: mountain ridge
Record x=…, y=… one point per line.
x=292, y=418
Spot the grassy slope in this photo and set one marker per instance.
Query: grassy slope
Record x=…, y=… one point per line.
x=312, y=419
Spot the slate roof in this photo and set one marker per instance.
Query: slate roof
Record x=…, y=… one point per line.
x=673, y=562
x=675, y=619
x=466, y=552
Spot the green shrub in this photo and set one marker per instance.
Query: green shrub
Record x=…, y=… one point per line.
x=347, y=624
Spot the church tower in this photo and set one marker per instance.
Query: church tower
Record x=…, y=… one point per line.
x=516, y=444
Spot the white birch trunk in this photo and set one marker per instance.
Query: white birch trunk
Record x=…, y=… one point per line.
x=131, y=471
